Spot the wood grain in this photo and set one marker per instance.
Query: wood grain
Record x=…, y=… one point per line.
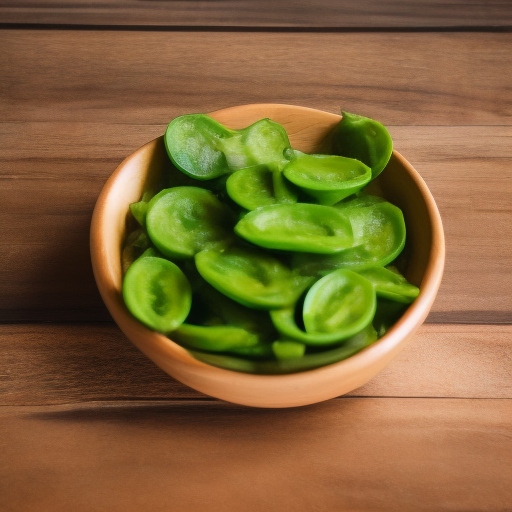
x=145, y=77
x=347, y=454
x=55, y=364
x=260, y=13
x=49, y=187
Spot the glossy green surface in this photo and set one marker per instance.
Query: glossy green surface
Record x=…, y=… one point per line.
x=157, y=293
x=259, y=186
x=390, y=284
x=251, y=277
x=363, y=139
x=204, y=149
x=298, y=227
x=342, y=302
x=379, y=237
x=328, y=179
x=182, y=221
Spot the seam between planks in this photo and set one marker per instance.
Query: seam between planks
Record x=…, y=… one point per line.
x=244, y=28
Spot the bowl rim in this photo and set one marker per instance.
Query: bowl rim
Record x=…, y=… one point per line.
x=157, y=345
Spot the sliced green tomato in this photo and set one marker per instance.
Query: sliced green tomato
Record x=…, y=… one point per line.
x=157, y=293
x=390, y=284
x=250, y=277
x=182, y=221
x=327, y=178
x=363, y=139
x=350, y=347
x=217, y=338
x=259, y=186
x=298, y=227
x=379, y=237
x=342, y=302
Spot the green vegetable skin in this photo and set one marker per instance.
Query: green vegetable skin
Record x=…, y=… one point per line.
x=300, y=280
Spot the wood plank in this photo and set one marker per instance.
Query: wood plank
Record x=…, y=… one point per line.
x=52, y=364
x=345, y=454
x=147, y=77
x=260, y=13
x=46, y=273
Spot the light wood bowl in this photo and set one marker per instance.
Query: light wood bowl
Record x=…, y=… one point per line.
x=309, y=131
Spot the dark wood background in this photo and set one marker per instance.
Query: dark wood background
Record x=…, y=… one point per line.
x=87, y=422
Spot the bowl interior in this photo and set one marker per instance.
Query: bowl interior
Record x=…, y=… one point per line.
x=309, y=131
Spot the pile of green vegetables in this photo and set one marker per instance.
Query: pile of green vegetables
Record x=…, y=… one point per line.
x=268, y=260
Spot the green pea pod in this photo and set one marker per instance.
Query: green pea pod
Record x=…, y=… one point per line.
x=379, y=237
x=390, y=284
x=259, y=186
x=350, y=347
x=327, y=178
x=218, y=338
x=363, y=139
x=205, y=149
x=297, y=227
x=182, y=221
x=157, y=293
x=251, y=277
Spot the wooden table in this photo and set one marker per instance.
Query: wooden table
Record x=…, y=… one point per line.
x=87, y=422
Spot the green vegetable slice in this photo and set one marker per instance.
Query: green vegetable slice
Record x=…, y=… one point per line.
x=217, y=338
x=363, y=139
x=259, y=186
x=265, y=142
x=390, y=284
x=194, y=144
x=157, y=293
x=350, y=347
x=379, y=237
x=327, y=178
x=298, y=227
x=342, y=302
x=205, y=149
x=286, y=349
x=251, y=277
x=182, y=221
x=362, y=200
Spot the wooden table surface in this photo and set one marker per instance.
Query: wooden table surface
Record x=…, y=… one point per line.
x=87, y=423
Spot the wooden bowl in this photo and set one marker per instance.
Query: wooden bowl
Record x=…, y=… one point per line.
x=309, y=131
